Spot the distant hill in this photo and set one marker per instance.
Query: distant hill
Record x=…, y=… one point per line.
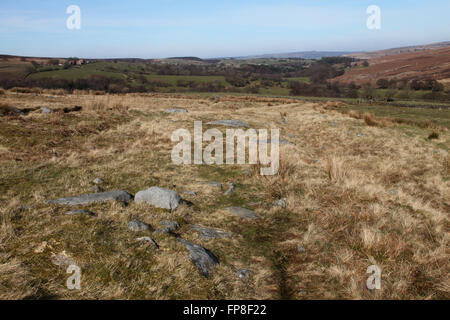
x=298, y=55
x=401, y=50
x=432, y=62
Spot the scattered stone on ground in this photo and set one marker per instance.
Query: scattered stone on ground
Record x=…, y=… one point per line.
x=176, y=110
x=231, y=187
x=80, y=212
x=45, y=110
x=170, y=225
x=138, y=226
x=244, y=273
x=247, y=172
x=281, y=142
x=149, y=241
x=280, y=203
x=160, y=198
x=242, y=212
x=97, y=181
x=212, y=184
x=359, y=135
x=203, y=259
x=229, y=123
x=117, y=195
x=191, y=193
x=209, y=234
x=300, y=248
x=393, y=192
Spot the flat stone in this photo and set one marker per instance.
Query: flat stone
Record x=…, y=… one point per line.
x=160, y=198
x=176, y=110
x=118, y=195
x=80, y=212
x=209, y=234
x=45, y=110
x=280, y=142
x=244, y=273
x=229, y=123
x=202, y=258
x=149, y=241
x=138, y=226
x=212, y=184
x=242, y=212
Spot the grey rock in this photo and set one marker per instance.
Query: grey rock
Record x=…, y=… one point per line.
x=203, y=259
x=280, y=203
x=149, y=241
x=230, y=123
x=212, y=184
x=209, y=234
x=160, y=198
x=280, y=142
x=359, y=135
x=242, y=212
x=393, y=192
x=191, y=193
x=170, y=225
x=138, y=226
x=247, y=172
x=244, y=273
x=97, y=181
x=118, y=195
x=176, y=110
x=300, y=248
x=45, y=110
x=80, y=212
x=231, y=188
x=315, y=161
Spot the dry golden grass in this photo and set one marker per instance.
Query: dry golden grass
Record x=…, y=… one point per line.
x=352, y=201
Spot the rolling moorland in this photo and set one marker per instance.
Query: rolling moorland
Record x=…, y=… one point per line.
x=394, y=76
x=364, y=180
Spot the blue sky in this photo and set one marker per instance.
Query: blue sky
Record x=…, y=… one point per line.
x=214, y=28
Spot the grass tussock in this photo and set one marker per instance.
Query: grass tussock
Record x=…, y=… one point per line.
x=434, y=135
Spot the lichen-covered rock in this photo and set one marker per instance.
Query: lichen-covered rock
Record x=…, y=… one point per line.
x=160, y=198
